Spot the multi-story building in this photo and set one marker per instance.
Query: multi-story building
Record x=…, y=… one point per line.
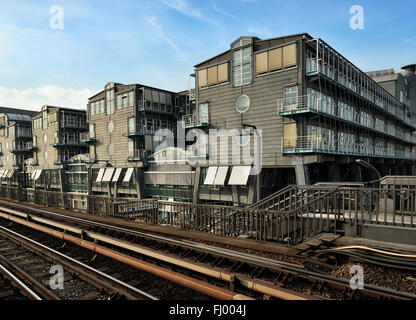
x=409, y=75
x=15, y=141
x=317, y=111
x=56, y=140
x=122, y=122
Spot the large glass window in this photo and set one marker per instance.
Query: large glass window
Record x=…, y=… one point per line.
x=110, y=101
x=242, y=66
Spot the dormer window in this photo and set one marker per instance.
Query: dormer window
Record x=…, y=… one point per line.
x=242, y=63
x=241, y=51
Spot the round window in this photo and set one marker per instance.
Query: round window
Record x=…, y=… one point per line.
x=242, y=103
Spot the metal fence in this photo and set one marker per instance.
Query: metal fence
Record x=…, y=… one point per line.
x=292, y=215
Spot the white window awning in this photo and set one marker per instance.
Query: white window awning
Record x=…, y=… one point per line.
x=33, y=174
x=38, y=173
x=211, y=173
x=108, y=174
x=11, y=173
x=239, y=176
x=1, y=173
x=221, y=175
x=128, y=175
x=117, y=175
x=5, y=173
x=100, y=175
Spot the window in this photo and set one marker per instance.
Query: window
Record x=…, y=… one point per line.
x=110, y=101
x=275, y=59
x=213, y=75
x=242, y=66
x=290, y=96
x=92, y=130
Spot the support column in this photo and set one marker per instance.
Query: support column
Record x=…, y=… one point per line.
x=236, y=198
x=138, y=175
x=197, y=178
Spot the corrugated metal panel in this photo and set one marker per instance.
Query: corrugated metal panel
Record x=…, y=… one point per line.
x=100, y=175
x=117, y=175
x=108, y=174
x=239, y=175
x=128, y=175
x=209, y=179
x=221, y=175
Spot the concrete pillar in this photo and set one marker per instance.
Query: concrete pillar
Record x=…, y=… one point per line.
x=302, y=177
x=197, y=178
x=236, y=198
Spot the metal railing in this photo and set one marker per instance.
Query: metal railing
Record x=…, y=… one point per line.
x=85, y=136
x=139, y=129
x=294, y=214
x=139, y=154
x=65, y=141
x=293, y=103
x=319, y=143
x=195, y=119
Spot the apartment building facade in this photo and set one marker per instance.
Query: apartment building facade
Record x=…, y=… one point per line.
x=317, y=111
x=123, y=120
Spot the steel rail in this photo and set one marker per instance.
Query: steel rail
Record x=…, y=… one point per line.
x=19, y=284
x=82, y=269
x=340, y=282
x=215, y=291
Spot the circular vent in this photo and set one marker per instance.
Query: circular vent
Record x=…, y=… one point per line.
x=242, y=104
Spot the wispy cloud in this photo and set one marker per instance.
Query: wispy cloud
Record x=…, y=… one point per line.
x=183, y=7
x=260, y=31
x=222, y=11
x=158, y=29
x=34, y=98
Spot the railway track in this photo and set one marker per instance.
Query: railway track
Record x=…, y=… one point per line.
x=253, y=276
x=32, y=261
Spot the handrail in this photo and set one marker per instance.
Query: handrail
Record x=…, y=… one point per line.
x=272, y=196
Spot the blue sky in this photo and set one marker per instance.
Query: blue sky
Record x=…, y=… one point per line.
x=158, y=42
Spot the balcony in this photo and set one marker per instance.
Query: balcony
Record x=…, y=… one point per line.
x=85, y=137
x=295, y=105
x=137, y=155
x=196, y=120
x=26, y=147
x=62, y=142
x=320, y=144
x=139, y=130
x=374, y=94
x=74, y=125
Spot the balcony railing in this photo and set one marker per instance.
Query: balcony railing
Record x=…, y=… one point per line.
x=137, y=155
x=139, y=130
x=85, y=137
x=25, y=147
x=314, y=66
x=57, y=142
x=319, y=144
x=195, y=120
x=294, y=104
x=73, y=125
